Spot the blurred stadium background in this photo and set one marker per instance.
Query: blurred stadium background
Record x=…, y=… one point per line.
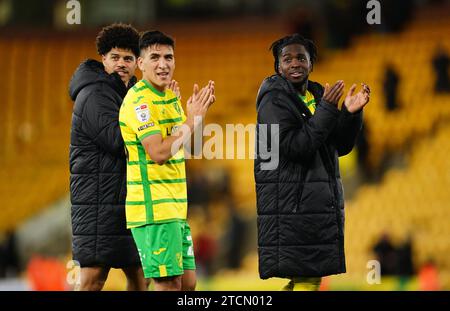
x=397, y=180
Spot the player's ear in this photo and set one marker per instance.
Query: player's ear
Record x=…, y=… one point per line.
x=139, y=62
x=104, y=60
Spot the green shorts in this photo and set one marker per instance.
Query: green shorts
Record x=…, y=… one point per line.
x=165, y=249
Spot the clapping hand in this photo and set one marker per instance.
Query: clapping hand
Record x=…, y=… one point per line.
x=332, y=94
x=356, y=102
x=173, y=85
x=200, y=101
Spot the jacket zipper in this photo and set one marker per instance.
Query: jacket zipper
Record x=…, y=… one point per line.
x=300, y=189
x=335, y=200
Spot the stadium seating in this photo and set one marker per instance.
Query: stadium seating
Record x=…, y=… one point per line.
x=35, y=121
x=412, y=201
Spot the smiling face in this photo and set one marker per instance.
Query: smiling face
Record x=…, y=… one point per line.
x=121, y=61
x=157, y=63
x=295, y=63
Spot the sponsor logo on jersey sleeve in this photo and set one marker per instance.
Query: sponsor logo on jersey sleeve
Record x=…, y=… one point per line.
x=146, y=126
x=142, y=113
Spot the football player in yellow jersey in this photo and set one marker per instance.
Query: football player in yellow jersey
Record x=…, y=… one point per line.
x=154, y=128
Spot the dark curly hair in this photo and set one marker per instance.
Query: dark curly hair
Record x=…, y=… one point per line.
x=278, y=45
x=120, y=36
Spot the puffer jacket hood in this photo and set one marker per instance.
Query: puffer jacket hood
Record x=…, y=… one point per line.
x=91, y=72
x=277, y=83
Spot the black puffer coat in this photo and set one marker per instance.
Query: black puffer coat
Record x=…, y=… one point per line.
x=300, y=203
x=98, y=170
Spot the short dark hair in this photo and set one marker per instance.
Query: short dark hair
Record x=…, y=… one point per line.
x=149, y=38
x=120, y=36
x=278, y=45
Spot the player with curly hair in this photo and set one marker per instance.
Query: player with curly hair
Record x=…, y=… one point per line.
x=98, y=162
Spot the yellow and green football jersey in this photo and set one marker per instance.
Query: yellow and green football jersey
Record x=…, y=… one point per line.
x=155, y=193
x=309, y=101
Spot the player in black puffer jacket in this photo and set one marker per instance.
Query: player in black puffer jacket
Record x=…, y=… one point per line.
x=98, y=163
x=300, y=201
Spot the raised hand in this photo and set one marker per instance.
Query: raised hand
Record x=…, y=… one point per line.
x=173, y=85
x=355, y=103
x=332, y=94
x=200, y=101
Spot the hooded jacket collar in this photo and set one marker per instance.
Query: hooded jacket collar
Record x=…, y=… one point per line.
x=281, y=84
x=92, y=72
